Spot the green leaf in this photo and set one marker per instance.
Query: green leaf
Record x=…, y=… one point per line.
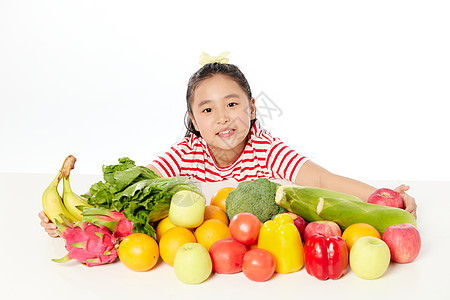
x=79, y=245
x=62, y=259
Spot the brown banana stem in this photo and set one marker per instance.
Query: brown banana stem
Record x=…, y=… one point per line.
x=68, y=165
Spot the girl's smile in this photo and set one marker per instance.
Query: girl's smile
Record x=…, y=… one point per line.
x=226, y=133
x=222, y=113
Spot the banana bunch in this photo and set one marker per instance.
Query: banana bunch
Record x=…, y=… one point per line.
x=70, y=205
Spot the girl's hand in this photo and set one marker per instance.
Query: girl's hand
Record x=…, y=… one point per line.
x=408, y=201
x=49, y=227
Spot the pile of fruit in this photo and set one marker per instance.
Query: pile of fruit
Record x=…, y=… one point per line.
x=197, y=240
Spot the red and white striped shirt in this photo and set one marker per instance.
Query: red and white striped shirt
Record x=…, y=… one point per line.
x=263, y=157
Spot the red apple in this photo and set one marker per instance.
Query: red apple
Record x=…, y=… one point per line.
x=386, y=197
x=227, y=256
x=403, y=241
x=326, y=228
x=299, y=222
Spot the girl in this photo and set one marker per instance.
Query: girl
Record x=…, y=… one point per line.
x=224, y=140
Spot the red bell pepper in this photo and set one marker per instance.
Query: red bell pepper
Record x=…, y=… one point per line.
x=326, y=257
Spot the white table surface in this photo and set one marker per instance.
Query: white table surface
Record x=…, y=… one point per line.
x=27, y=270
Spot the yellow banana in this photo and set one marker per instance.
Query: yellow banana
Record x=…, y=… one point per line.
x=52, y=202
x=72, y=201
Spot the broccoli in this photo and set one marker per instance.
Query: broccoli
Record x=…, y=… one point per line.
x=256, y=197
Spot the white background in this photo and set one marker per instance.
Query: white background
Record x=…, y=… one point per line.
x=362, y=85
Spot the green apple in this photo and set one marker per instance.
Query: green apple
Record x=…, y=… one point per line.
x=369, y=257
x=187, y=209
x=192, y=263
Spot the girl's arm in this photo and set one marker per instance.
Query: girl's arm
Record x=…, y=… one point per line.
x=314, y=175
x=152, y=167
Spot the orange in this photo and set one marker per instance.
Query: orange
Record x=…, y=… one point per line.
x=173, y=239
x=211, y=231
x=139, y=252
x=163, y=225
x=218, y=199
x=215, y=212
x=356, y=231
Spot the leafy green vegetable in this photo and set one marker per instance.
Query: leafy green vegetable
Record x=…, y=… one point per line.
x=125, y=173
x=256, y=197
x=143, y=196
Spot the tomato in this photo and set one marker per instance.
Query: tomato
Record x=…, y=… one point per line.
x=227, y=256
x=258, y=265
x=244, y=227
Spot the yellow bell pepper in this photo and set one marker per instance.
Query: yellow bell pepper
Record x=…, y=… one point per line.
x=281, y=238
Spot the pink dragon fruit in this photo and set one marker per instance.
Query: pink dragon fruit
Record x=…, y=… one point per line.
x=115, y=221
x=89, y=244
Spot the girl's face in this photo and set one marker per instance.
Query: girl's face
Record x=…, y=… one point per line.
x=222, y=113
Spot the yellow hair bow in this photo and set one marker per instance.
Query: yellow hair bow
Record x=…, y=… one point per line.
x=222, y=58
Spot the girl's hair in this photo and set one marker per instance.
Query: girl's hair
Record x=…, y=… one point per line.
x=208, y=71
